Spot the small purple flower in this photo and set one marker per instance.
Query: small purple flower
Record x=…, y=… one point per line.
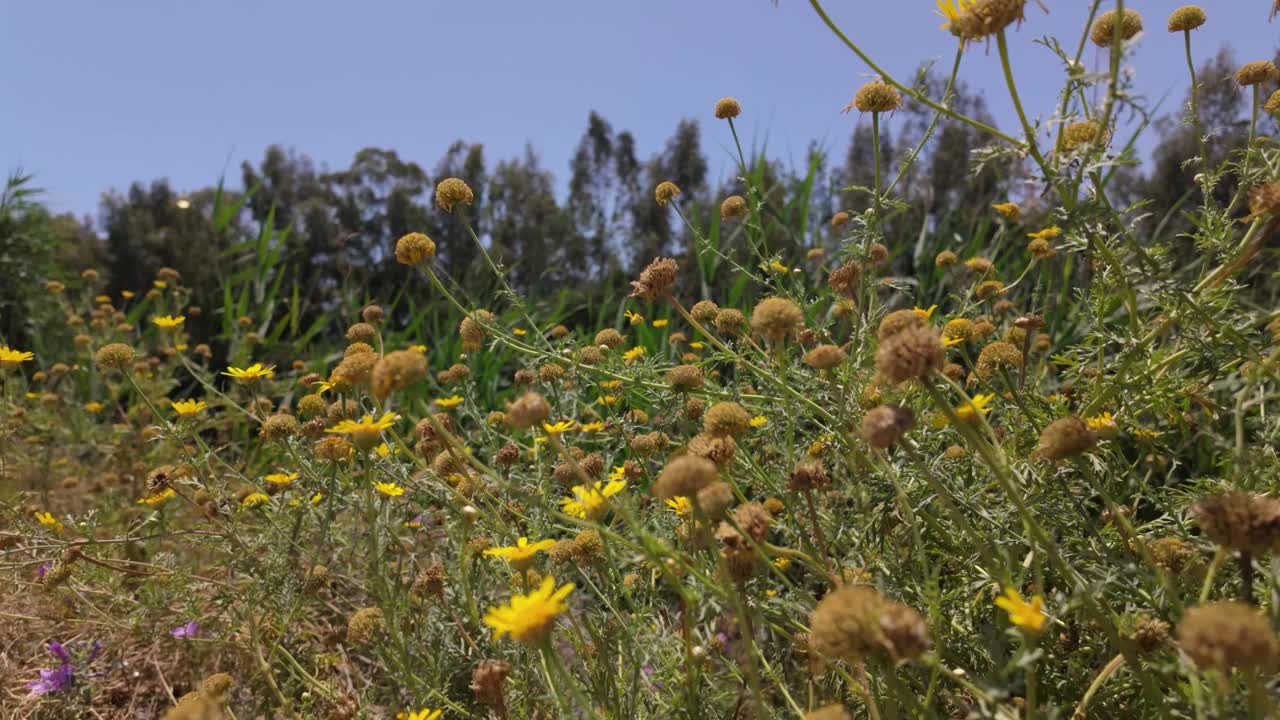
x=60, y=652
x=186, y=631
x=52, y=680
x=43, y=569
x=62, y=677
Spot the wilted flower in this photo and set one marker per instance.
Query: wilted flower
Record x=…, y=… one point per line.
x=1103, y=31
x=414, y=248
x=1256, y=73
x=854, y=622
x=1227, y=636
x=732, y=207
x=450, y=192
x=727, y=108
x=655, y=280
x=876, y=96
x=1066, y=437
x=1186, y=18
x=665, y=192
x=972, y=20
x=1240, y=521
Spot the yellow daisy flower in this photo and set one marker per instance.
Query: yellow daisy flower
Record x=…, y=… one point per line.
x=168, y=322
x=950, y=10
x=560, y=427
x=158, y=497
x=10, y=358
x=1104, y=425
x=522, y=553
x=590, y=503
x=1028, y=616
x=758, y=421
x=187, y=408
x=1144, y=433
x=254, y=500
x=450, y=402
x=252, y=373
x=281, y=478
x=389, y=489
x=633, y=317
x=635, y=352
x=1048, y=233
x=529, y=618
x=1099, y=422
x=680, y=505
x=978, y=406
x=923, y=313
x=48, y=520
x=423, y=714
x=366, y=432
x=661, y=323
x=1008, y=209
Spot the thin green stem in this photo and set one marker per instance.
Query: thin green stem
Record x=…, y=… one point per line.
x=909, y=92
x=933, y=124
x=1033, y=148
x=875, y=154
x=1195, y=119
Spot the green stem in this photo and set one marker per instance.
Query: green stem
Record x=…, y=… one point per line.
x=1218, y=558
x=1002, y=44
x=1195, y=120
x=1116, y=663
x=909, y=92
x=933, y=124
x=875, y=154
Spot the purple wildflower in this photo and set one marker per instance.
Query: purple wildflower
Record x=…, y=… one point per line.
x=53, y=680
x=64, y=676
x=186, y=631
x=58, y=679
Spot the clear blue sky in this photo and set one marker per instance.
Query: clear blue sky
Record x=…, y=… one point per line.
x=98, y=94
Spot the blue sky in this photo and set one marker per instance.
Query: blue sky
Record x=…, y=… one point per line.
x=98, y=94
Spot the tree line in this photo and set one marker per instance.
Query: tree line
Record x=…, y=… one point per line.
x=574, y=243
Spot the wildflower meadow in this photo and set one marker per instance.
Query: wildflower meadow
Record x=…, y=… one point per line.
x=809, y=463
